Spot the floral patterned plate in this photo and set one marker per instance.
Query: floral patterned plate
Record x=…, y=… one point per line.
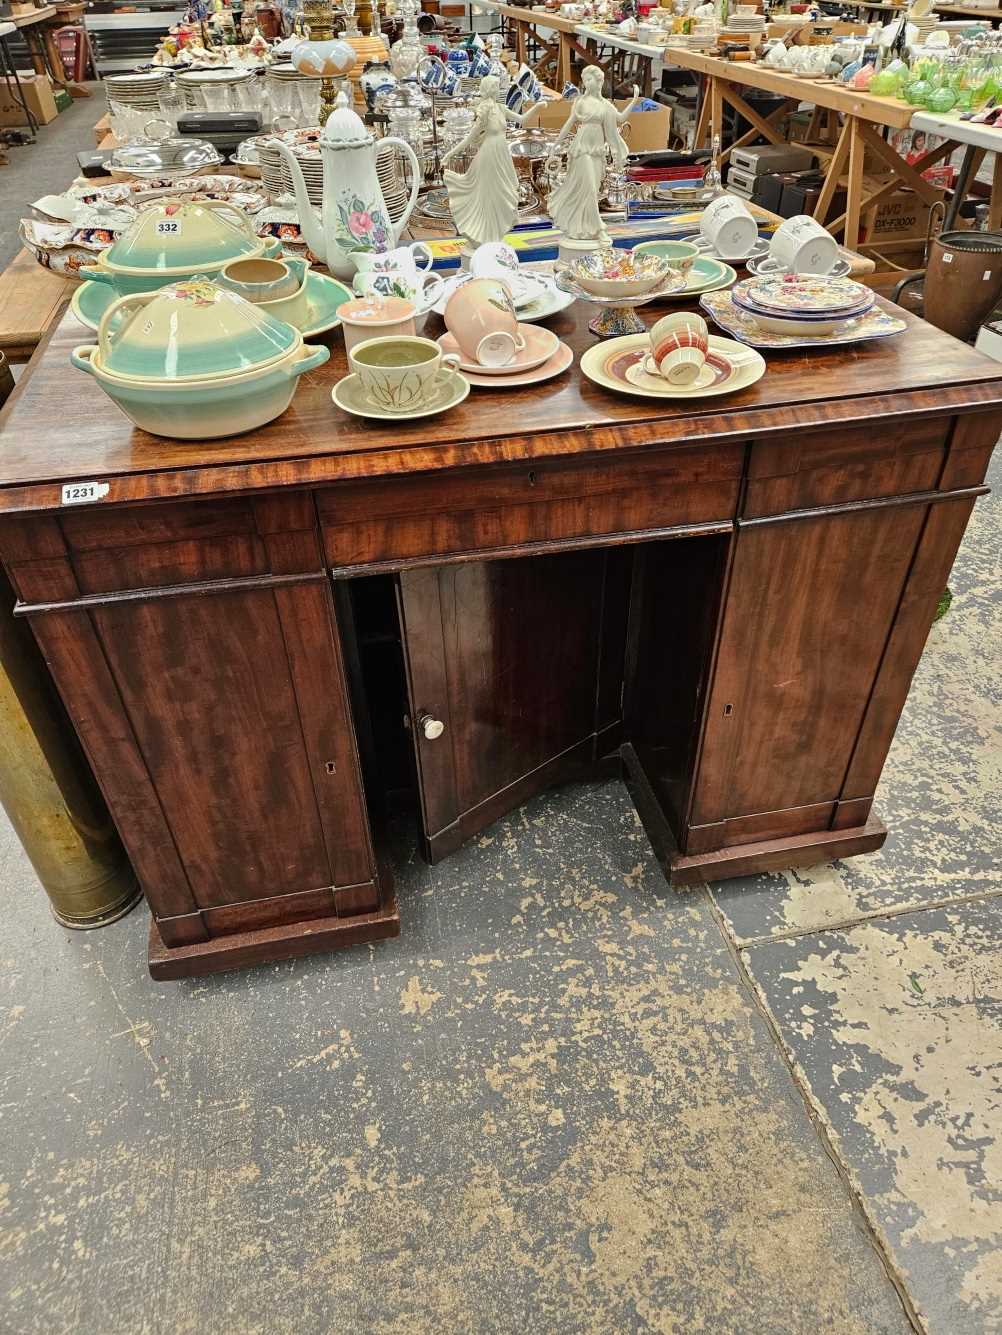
x=805, y=294
x=876, y=323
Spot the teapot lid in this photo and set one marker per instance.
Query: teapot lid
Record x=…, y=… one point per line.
x=345, y=127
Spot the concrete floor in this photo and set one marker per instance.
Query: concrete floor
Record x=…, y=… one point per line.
x=567, y=1099
x=45, y=167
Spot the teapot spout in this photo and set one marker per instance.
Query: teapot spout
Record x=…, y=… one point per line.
x=309, y=221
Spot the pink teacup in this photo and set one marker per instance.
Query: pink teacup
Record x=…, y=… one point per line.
x=480, y=316
x=678, y=348
x=375, y=317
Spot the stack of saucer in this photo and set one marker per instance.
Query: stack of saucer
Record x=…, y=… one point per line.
x=136, y=90
x=802, y=304
x=542, y=357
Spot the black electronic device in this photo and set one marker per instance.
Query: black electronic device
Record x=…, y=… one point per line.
x=224, y=130
x=94, y=162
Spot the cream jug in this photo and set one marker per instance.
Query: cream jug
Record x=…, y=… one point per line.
x=353, y=213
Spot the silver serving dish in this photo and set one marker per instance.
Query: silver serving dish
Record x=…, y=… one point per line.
x=168, y=158
x=532, y=144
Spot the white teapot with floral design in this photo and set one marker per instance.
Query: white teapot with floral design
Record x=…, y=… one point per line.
x=353, y=215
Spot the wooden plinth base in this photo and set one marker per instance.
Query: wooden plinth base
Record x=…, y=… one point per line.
x=723, y=864
x=798, y=850
x=312, y=937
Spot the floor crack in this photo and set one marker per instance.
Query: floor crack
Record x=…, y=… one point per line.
x=869, y=1228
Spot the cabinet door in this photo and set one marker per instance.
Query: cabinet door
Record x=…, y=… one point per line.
x=236, y=700
x=510, y=687
x=809, y=609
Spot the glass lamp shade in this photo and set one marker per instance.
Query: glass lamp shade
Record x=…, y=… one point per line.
x=327, y=60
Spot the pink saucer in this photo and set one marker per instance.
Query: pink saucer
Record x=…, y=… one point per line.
x=540, y=345
x=560, y=361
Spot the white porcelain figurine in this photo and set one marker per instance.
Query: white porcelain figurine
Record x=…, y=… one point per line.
x=484, y=198
x=595, y=123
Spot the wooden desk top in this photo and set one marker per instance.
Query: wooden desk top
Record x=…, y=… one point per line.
x=890, y=111
x=59, y=425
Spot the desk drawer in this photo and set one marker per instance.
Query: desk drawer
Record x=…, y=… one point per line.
x=93, y=551
x=484, y=509
x=816, y=468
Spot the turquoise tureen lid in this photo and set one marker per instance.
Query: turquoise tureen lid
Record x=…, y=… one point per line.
x=187, y=329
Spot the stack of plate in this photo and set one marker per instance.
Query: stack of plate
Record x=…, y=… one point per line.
x=744, y=19
x=136, y=90
x=926, y=24
x=275, y=174
x=800, y=312
x=305, y=149
x=285, y=72
x=193, y=83
x=802, y=304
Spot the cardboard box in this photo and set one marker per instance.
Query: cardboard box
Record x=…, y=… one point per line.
x=37, y=93
x=643, y=130
x=902, y=217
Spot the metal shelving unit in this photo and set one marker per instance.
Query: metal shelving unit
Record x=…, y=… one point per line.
x=121, y=41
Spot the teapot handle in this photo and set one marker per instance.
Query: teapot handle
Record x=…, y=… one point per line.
x=105, y=333
x=241, y=219
x=416, y=181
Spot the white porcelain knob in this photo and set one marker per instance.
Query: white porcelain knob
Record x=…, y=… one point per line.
x=431, y=727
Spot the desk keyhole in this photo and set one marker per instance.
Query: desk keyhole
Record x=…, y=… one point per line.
x=532, y=478
x=728, y=710
x=330, y=767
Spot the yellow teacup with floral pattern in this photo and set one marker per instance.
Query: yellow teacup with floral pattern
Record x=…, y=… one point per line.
x=403, y=374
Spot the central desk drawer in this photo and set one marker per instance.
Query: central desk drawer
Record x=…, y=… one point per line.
x=483, y=509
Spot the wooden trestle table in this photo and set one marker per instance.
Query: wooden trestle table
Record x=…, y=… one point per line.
x=725, y=598
x=861, y=114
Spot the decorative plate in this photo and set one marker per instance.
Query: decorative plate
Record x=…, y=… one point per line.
x=549, y=302
x=618, y=365
x=876, y=323
x=533, y=287
x=804, y=294
x=742, y=297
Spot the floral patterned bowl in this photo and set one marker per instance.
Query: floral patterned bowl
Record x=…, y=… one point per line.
x=619, y=273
